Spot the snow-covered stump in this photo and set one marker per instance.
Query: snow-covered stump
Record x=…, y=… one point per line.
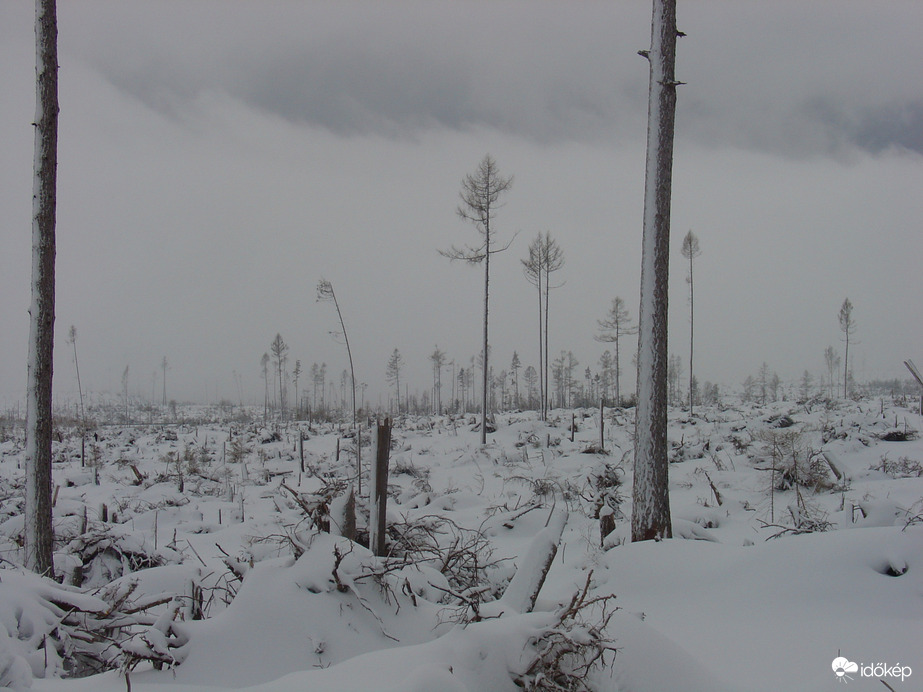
x=379, y=488
x=343, y=514
x=606, y=523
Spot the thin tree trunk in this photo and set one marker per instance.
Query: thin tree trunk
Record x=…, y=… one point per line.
x=547, y=296
x=846, y=368
x=651, y=501
x=541, y=362
x=38, y=535
x=618, y=396
x=486, y=313
x=691, y=327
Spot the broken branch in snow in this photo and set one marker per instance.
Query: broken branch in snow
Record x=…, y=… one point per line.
x=566, y=651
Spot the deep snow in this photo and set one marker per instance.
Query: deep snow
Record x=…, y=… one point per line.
x=722, y=606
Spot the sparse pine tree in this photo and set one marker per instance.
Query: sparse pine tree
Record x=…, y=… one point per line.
x=437, y=358
x=515, y=365
x=530, y=375
x=848, y=327
x=616, y=325
x=264, y=373
x=393, y=375
x=480, y=201
x=807, y=385
x=545, y=258
x=832, y=361
x=296, y=374
x=690, y=251
x=763, y=378
x=280, y=356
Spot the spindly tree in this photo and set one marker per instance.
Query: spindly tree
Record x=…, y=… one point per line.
x=848, y=327
x=515, y=365
x=480, y=200
x=832, y=361
x=296, y=374
x=38, y=531
x=611, y=330
x=325, y=293
x=437, y=358
x=690, y=251
x=650, y=517
x=545, y=258
x=264, y=373
x=72, y=340
x=164, y=365
x=280, y=356
x=393, y=374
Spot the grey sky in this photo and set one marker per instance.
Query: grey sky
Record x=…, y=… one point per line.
x=218, y=158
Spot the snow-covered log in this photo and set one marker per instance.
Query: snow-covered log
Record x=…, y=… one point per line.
x=523, y=590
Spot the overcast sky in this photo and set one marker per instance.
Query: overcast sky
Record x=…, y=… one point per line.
x=216, y=159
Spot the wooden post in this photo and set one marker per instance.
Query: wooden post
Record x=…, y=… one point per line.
x=379, y=488
x=573, y=425
x=301, y=448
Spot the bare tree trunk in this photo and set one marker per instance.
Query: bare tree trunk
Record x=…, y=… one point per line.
x=691, y=328
x=547, y=296
x=651, y=501
x=846, y=368
x=618, y=395
x=379, y=489
x=38, y=527
x=541, y=367
x=486, y=296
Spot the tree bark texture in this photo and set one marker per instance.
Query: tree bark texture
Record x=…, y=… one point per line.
x=38, y=536
x=484, y=382
x=379, y=489
x=651, y=502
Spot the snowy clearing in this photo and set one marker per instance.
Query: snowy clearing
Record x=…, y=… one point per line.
x=799, y=533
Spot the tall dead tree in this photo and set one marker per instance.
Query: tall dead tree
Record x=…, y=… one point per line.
x=38, y=534
x=325, y=292
x=545, y=258
x=480, y=200
x=650, y=518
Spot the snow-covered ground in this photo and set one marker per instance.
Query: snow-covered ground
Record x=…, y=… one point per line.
x=775, y=569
